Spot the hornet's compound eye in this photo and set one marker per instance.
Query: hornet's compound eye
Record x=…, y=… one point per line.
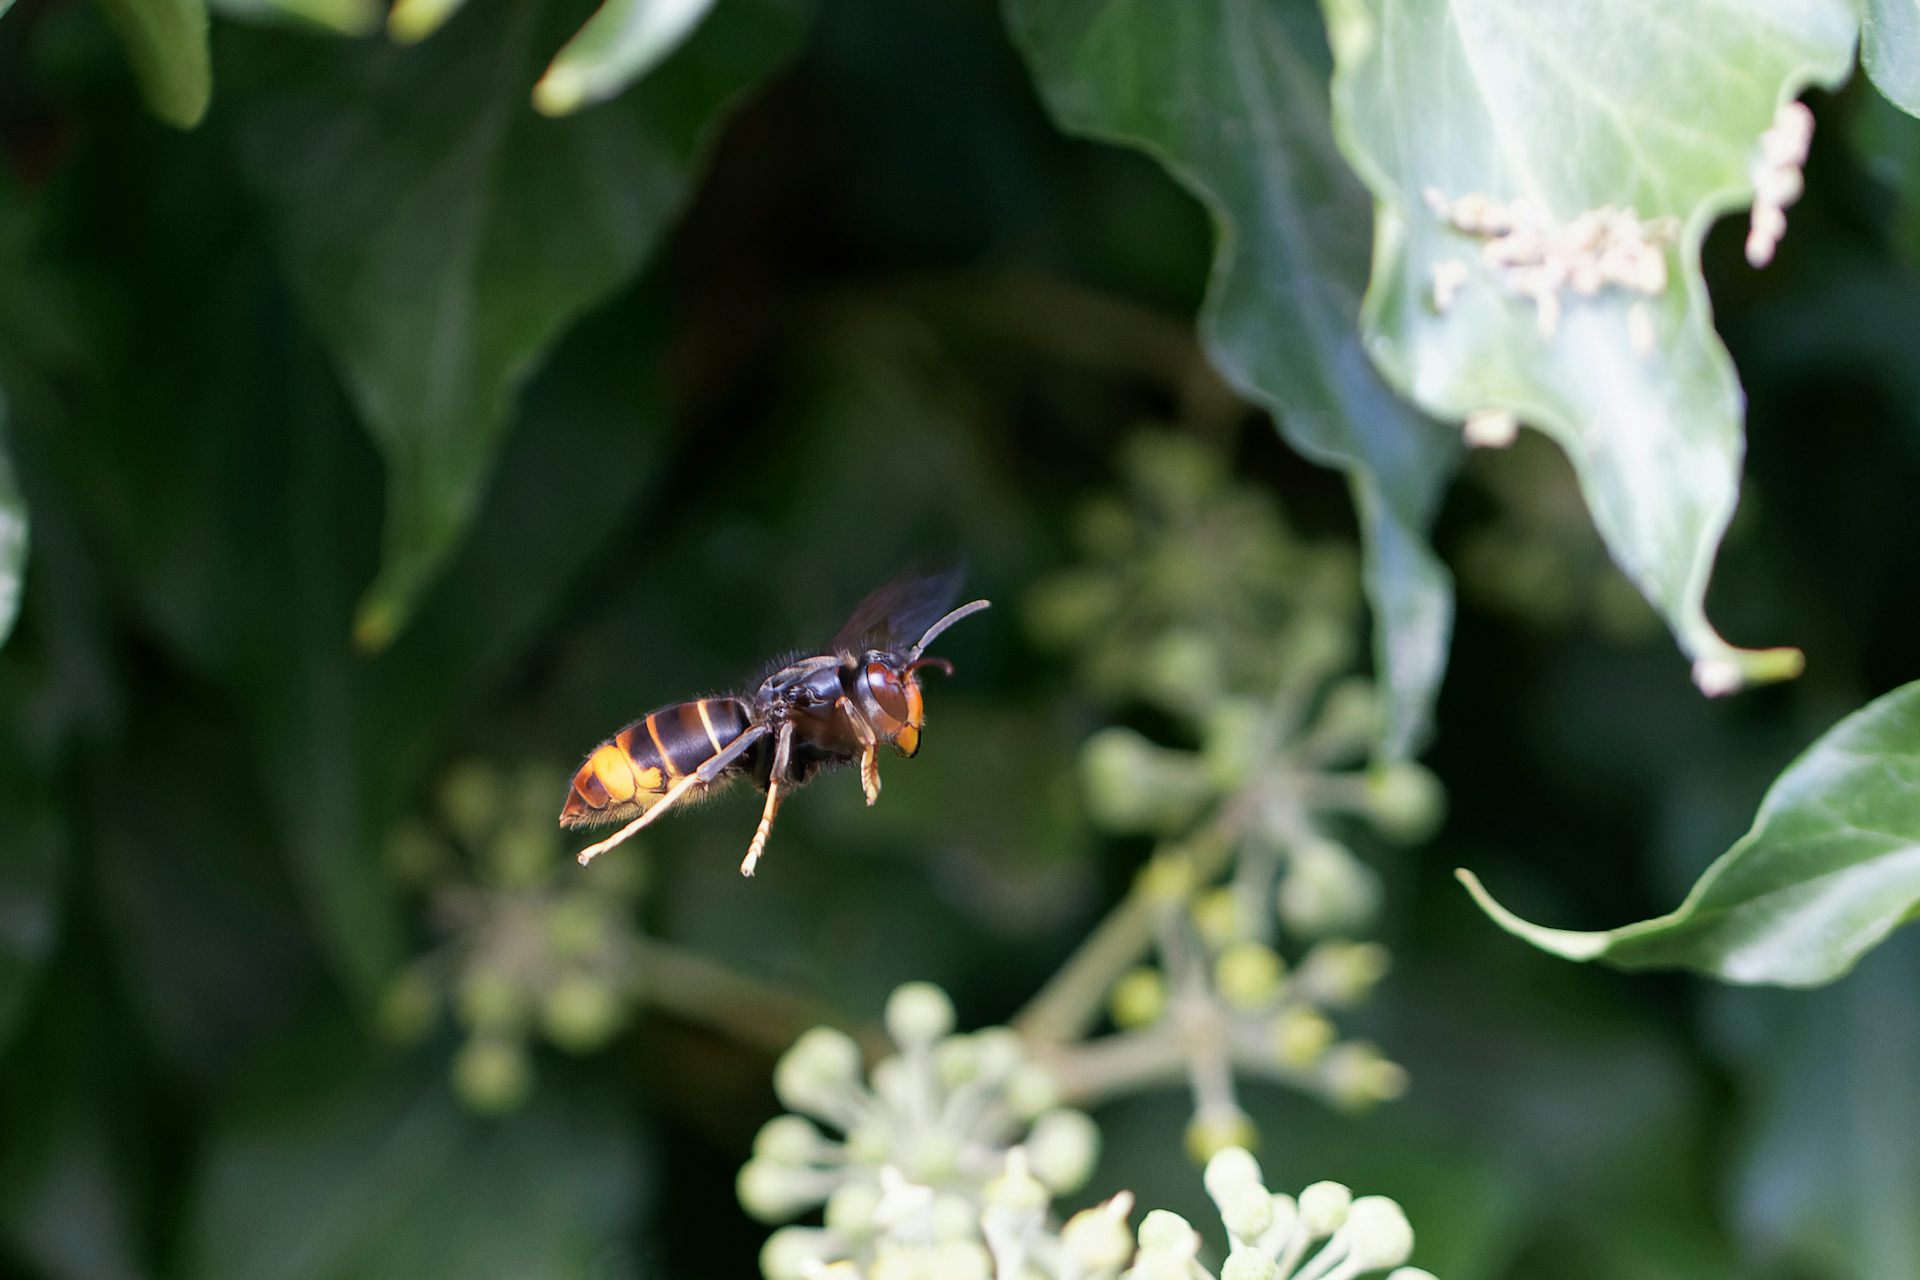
x=888, y=690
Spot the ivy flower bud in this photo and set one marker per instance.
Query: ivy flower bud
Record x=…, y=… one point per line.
x=792, y=1252
x=953, y=1217
x=774, y=1193
x=579, y=1012
x=1301, y=1037
x=1016, y=1188
x=960, y=1260
x=1411, y=1273
x=1250, y=1264
x=1097, y=1239
x=1138, y=999
x=1032, y=1089
x=1062, y=1149
x=1166, y=880
x=1326, y=888
x=817, y=1071
x=1247, y=1212
x=1406, y=802
x=1000, y=1051
x=1323, y=1208
x=1377, y=1234
x=1165, y=1232
x=1248, y=975
x=1217, y=918
x=918, y=1013
x=492, y=1074
x=1134, y=784
x=1359, y=1077
x=1214, y=1131
x=490, y=1000
x=1228, y=1171
x=851, y=1209
x=1343, y=974
x=788, y=1140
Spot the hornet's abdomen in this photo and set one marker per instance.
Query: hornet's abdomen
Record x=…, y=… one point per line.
x=628, y=774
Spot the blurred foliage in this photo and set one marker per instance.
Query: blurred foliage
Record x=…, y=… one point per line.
x=624, y=404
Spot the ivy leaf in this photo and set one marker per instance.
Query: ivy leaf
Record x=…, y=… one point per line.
x=343, y=17
x=1230, y=96
x=1831, y=867
x=13, y=537
x=443, y=236
x=1574, y=109
x=1890, y=50
x=166, y=41
x=621, y=42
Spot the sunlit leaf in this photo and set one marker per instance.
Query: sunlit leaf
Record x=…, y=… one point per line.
x=1831, y=867
x=166, y=41
x=1653, y=109
x=13, y=537
x=443, y=235
x=621, y=42
x=1231, y=97
x=1890, y=50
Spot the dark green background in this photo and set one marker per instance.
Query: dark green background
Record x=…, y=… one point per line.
x=902, y=319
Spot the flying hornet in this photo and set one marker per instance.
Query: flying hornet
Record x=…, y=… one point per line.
x=813, y=713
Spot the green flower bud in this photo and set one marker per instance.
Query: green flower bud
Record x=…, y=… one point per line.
x=1132, y=784
x=470, y=799
x=772, y=1192
x=1213, y=1132
x=1323, y=1208
x=490, y=1000
x=1182, y=671
x=1411, y=1273
x=1406, y=802
x=788, y=1140
x=1247, y=1212
x=1097, y=1239
x=1326, y=888
x=1218, y=918
x=791, y=1252
x=1358, y=1077
x=956, y=1060
x=1062, y=1148
x=1138, y=999
x=1016, y=1189
x=1377, y=1234
x=933, y=1158
x=492, y=1075
x=1165, y=1232
x=1032, y=1089
x=1301, y=1037
x=1315, y=646
x=1286, y=1217
x=409, y=1007
x=1342, y=974
x=1228, y=1170
x=960, y=1260
x=579, y=1013
x=1248, y=975
x=1250, y=1264
x=1000, y=1051
x=870, y=1144
x=1349, y=716
x=954, y=1217
x=821, y=1067
x=918, y=1013
x=851, y=1208
x=1233, y=742
x=1176, y=472
x=1166, y=880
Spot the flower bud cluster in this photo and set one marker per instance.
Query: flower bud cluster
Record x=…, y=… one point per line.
x=526, y=949
x=953, y=1142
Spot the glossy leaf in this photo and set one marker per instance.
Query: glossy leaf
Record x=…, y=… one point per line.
x=1830, y=867
x=346, y=17
x=442, y=235
x=620, y=43
x=166, y=41
x=1573, y=109
x=1890, y=50
x=13, y=538
x=1231, y=97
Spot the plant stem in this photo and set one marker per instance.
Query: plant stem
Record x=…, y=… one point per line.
x=688, y=985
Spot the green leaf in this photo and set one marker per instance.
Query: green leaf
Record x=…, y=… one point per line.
x=1830, y=867
x=1657, y=109
x=443, y=236
x=13, y=537
x=1890, y=50
x=1230, y=96
x=166, y=41
x=621, y=42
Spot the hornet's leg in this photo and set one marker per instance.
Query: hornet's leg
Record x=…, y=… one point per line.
x=782, y=748
x=869, y=747
x=703, y=776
